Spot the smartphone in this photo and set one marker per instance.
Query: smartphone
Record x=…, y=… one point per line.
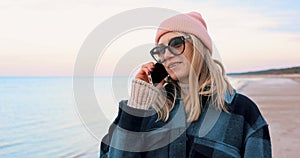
x=158, y=74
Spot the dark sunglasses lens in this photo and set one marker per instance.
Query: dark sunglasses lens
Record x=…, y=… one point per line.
x=157, y=53
x=177, y=45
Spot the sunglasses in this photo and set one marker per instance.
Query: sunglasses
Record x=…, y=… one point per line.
x=176, y=46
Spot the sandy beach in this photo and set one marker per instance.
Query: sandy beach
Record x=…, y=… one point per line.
x=278, y=97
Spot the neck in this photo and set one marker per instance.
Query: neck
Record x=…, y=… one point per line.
x=184, y=89
x=184, y=80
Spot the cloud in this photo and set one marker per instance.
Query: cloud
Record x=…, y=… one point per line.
x=288, y=22
x=246, y=35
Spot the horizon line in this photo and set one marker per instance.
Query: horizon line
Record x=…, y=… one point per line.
x=227, y=73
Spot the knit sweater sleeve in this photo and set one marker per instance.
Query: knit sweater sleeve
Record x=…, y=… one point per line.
x=143, y=94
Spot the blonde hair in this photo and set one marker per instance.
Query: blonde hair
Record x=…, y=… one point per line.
x=206, y=77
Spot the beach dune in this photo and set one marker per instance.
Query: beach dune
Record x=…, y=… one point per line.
x=278, y=98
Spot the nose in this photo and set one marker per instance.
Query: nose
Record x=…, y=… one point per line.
x=168, y=54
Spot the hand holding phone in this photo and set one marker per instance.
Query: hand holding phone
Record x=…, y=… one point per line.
x=158, y=74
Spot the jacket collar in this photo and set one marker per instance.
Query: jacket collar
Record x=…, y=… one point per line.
x=229, y=97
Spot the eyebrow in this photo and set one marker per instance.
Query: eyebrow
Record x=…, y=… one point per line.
x=161, y=44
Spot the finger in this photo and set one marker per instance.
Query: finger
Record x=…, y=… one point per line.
x=161, y=84
x=145, y=71
x=149, y=65
x=143, y=74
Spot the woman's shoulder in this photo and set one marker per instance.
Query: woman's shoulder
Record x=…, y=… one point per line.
x=245, y=107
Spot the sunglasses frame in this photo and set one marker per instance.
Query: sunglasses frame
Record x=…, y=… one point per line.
x=183, y=38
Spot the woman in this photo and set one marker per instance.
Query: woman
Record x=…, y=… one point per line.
x=194, y=112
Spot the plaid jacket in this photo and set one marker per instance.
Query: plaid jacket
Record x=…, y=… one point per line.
x=241, y=132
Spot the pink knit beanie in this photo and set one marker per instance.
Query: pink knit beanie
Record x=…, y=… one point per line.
x=191, y=23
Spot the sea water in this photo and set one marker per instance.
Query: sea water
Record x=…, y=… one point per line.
x=40, y=116
x=38, y=119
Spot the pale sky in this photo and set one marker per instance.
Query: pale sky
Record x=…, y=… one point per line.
x=43, y=37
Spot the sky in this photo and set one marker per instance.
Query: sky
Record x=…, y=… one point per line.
x=43, y=37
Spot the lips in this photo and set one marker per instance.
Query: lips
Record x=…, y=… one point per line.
x=173, y=64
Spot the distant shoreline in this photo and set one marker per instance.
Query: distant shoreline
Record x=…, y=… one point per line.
x=290, y=70
x=295, y=77
x=264, y=75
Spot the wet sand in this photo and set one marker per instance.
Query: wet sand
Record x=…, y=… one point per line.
x=278, y=98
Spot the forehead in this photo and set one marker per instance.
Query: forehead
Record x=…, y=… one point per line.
x=164, y=39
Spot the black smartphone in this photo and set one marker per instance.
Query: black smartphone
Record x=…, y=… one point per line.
x=158, y=74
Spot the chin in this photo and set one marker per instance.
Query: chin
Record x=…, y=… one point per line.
x=174, y=77
x=178, y=77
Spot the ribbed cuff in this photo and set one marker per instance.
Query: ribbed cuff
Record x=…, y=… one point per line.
x=143, y=94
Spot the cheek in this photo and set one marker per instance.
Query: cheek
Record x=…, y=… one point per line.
x=181, y=72
x=188, y=57
x=188, y=53
x=172, y=74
